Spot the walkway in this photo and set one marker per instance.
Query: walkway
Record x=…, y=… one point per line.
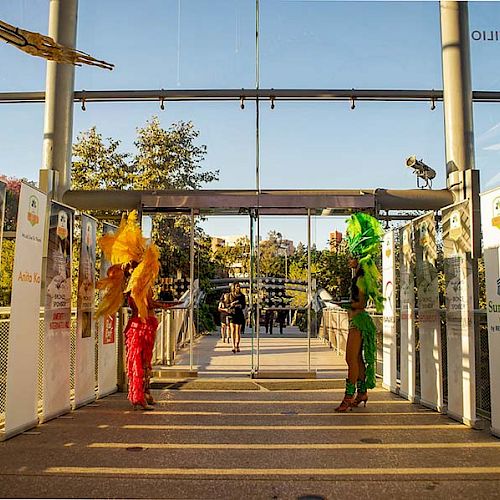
x=287, y=352
x=217, y=439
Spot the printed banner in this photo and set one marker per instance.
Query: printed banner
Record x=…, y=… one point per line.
x=85, y=332
x=389, y=322
x=22, y=363
x=490, y=225
x=56, y=358
x=3, y=192
x=107, y=349
x=429, y=321
x=460, y=337
x=407, y=311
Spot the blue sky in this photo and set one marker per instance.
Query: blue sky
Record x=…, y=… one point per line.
x=303, y=44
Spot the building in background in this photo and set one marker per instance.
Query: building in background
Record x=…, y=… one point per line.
x=336, y=241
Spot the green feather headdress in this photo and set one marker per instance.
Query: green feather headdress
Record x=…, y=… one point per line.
x=364, y=234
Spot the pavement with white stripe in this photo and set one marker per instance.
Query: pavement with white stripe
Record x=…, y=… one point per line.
x=259, y=443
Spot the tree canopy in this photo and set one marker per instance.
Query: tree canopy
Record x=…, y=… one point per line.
x=164, y=159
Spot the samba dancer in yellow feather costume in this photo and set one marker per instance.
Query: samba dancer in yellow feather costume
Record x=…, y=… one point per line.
x=133, y=272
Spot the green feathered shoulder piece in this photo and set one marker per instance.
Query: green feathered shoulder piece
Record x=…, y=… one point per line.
x=364, y=234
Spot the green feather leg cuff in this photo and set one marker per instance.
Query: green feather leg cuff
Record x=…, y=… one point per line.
x=363, y=322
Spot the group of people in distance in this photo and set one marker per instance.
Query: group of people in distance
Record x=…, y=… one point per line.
x=280, y=315
x=232, y=309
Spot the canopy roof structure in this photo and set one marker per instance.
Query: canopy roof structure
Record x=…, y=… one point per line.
x=268, y=202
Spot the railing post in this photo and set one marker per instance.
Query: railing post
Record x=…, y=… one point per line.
x=162, y=337
x=168, y=328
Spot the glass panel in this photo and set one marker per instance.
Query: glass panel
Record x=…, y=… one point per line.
x=283, y=325
x=226, y=130
x=22, y=139
x=325, y=145
x=23, y=72
x=168, y=44
x=330, y=44
x=484, y=22
x=487, y=143
x=231, y=260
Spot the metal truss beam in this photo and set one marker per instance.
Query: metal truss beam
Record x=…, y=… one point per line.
x=268, y=202
x=353, y=95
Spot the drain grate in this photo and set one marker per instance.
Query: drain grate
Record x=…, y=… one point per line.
x=134, y=448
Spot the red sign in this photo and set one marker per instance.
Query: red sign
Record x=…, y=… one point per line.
x=109, y=330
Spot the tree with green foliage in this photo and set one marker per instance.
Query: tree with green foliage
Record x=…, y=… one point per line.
x=99, y=165
x=227, y=256
x=164, y=160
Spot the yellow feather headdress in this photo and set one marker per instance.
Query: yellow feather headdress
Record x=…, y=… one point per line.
x=126, y=244
x=121, y=248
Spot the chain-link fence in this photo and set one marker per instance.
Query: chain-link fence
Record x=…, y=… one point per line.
x=4, y=353
x=4, y=349
x=335, y=327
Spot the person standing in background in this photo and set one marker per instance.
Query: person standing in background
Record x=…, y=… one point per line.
x=223, y=311
x=236, y=313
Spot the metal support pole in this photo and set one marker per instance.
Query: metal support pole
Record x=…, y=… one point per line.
x=457, y=88
x=258, y=283
x=60, y=83
x=168, y=329
x=162, y=337
x=257, y=171
x=309, y=290
x=253, y=315
x=463, y=181
x=191, y=292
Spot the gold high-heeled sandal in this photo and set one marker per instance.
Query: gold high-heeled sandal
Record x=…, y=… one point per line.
x=361, y=397
x=346, y=404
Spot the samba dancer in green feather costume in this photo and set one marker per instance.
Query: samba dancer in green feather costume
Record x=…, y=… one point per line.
x=363, y=236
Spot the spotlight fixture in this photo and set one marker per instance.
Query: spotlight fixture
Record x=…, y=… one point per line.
x=422, y=171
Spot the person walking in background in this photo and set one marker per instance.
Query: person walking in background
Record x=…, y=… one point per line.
x=166, y=294
x=268, y=321
x=236, y=314
x=363, y=237
x=281, y=318
x=223, y=311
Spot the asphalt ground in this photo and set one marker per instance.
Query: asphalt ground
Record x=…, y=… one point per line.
x=251, y=439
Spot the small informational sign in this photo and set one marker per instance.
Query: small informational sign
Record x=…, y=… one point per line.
x=389, y=321
x=22, y=362
x=107, y=349
x=407, y=311
x=431, y=378
x=490, y=225
x=56, y=360
x=460, y=335
x=85, y=331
